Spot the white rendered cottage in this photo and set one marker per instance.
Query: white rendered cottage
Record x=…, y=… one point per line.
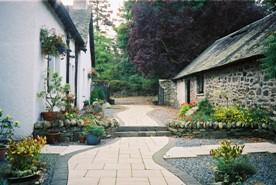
x=23, y=67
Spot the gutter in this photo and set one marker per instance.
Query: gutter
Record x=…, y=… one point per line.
x=65, y=18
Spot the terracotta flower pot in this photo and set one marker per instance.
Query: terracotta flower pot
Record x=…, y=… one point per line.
x=53, y=137
x=3, y=151
x=51, y=116
x=82, y=139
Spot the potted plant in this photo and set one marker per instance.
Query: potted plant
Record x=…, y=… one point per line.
x=23, y=157
x=94, y=133
x=53, y=94
x=51, y=43
x=7, y=125
x=82, y=137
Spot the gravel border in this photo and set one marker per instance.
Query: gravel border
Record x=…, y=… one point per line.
x=200, y=168
x=180, y=173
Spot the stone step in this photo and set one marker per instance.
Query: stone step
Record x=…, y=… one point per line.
x=142, y=133
x=141, y=128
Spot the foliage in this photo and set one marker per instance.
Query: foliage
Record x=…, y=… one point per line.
x=69, y=102
x=51, y=43
x=24, y=155
x=227, y=151
x=258, y=115
x=205, y=106
x=97, y=94
x=235, y=172
x=165, y=36
x=88, y=119
x=200, y=116
x=54, y=92
x=113, y=63
x=230, y=114
x=269, y=62
x=183, y=110
x=95, y=130
x=71, y=115
x=230, y=166
x=101, y=14
x=86, y=103
x=7, y=126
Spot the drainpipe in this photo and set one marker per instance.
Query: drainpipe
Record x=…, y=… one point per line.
x=67, y=57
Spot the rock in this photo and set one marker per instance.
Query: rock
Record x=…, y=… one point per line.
x=55, y=124
x=73, y=122
x=264, y=126
x=220, y=125
x=67, y=122
x=97, y=107
x=106, y=105
x=38, y=125
x=238, y=124
x=47, y=124
x=60, y=123
x=114, y=122
x=215, y=125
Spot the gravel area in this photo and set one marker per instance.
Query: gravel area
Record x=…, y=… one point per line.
x=163, y=114
x=50, y=160
x=201, y=167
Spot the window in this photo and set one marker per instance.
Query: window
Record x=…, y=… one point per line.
x=200, y=84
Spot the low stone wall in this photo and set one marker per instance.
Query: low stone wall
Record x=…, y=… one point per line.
x=221, y=130
x=70, y=129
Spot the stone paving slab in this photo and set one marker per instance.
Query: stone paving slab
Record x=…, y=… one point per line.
x=127, y=161
x=136, y=115
x=63, y=150
x=183, y=152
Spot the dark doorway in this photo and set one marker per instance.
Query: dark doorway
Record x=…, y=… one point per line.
x=188, y=91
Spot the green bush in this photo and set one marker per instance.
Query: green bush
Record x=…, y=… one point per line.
x=201, y=116
x=183, y=110
x=258, y=116
x=96, y=94
x=205, y=107
x=95, y=130
x=235, y=172
x=230, y=114
x=231, y=167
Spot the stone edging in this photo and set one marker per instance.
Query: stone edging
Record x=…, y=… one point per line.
x=183, y=175
x=61, y=171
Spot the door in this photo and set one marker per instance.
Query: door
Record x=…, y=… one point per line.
x=188, y=91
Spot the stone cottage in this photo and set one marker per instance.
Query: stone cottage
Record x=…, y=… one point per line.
x=230, y=72
x=22, y=64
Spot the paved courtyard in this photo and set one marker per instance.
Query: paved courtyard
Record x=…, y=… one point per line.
x=136, y=115
x=127, y=161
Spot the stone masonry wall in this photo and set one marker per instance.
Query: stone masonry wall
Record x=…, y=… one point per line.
x=169, y=88
x=242, y=84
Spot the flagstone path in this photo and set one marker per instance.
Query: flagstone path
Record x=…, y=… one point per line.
x=194, y=151
x=127, y=161
x=137, y=115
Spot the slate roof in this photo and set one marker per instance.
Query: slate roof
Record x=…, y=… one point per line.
x=81, y=18
x=65, y=18
x=242, y=44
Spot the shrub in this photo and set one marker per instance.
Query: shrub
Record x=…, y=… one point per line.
x=230, y=114
x=24, y=155
x=97, y=94
x=183, y=110
x=95, y=130
x=258, y=116
x=7, y=126
x=205, y=107
x=231, y=167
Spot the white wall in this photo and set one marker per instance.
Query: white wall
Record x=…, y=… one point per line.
x=22, y=67
x=181, y=95
x=84, y=67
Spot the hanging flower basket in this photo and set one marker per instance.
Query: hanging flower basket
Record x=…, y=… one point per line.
x=51, y=43
x=92, y=73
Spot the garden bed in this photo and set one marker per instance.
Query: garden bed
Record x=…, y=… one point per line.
x=201, y=168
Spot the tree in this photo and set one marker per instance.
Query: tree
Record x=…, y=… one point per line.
x=166, y=36
x=101, y=14
x=269, y=62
